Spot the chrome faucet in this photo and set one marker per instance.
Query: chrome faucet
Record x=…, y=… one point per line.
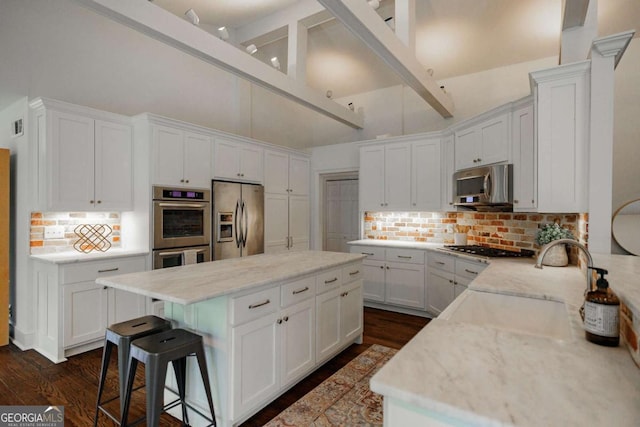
x=545, y=248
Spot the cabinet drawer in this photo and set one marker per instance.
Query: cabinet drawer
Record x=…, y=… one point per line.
x=372, y=252
x=298, y=290
x=413, y=256
x=252, y=306
x=352, y=272
x=328, y=280
x=469, y=269
x=91, y=270
x=441, y=262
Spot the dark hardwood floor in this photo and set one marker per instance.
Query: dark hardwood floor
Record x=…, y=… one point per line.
x=27, y=378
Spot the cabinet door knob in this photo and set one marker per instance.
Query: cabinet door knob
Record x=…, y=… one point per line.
x=450, y=281
x=286, y=318
x=182, y=180
x=99, y=201
x=279, y=321
x=187, y=181
x=91, y=201
x=382, y=267
x=479, y=160
x=515, y=201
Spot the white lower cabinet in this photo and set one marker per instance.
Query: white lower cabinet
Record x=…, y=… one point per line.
x=280, y=334
x=73, y=312
x=447, y=277
x=393, y=276
x=338, y=319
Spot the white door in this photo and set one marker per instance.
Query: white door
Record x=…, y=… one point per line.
x=125, y=305
x=494, y=140
x=113, y=166
x=466, y=148
x=351, y=311
x=251, y=163
x=397, y=174
x=299, y=175
x=440, y=290
x=524, y=161
x=298, y=344
x=405, y=284
x=71, y=157
x=85, y=313
x=254, y=363
x=299, y=222
x=276, y=223
x=226, y=160
x=328, y=337
x=168, y=155
x=332, y=217
x=197, y=160
x=340, y=214
x=372, y=178
x=426, y=174
x=374, y=278
x=276, y=172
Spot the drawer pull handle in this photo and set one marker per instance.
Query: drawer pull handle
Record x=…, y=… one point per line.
x=299, y=291
x=260, y=304
x=353, y=273
x=367, y=253
x=108, y=270
x=335, y=279
x=404, y=257
x=439, y=262
x=470, y=271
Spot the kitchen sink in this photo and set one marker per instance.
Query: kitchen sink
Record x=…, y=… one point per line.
x=517, y=314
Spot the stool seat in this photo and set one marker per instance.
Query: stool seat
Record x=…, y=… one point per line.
x=156, y=352
x=122, y=335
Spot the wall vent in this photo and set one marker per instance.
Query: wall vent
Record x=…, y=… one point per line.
x=17, y=128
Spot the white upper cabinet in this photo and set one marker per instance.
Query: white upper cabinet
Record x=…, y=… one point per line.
x=385, y=176
x=238, y=161
x=561, y=100
x=85, y=158
x=484, y=143
x=524, y=160
x=426, y=175
x=286, y=173
x=180, y=157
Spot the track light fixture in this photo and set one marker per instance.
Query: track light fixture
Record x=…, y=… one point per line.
x=251, y=49
x=223, y=33
x=375, y=4
x=275, y=62
x=192, y=16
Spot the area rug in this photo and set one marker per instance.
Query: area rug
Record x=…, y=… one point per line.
x=343, y=399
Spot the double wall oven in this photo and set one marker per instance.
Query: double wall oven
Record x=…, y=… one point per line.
x=181, y=226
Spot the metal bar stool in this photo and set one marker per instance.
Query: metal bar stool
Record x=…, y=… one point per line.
x=156, y=351
x=121, y=335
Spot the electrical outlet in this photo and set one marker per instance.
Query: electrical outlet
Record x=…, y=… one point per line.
x=54, y=232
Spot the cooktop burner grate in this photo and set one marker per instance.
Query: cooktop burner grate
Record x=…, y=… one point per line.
x=489, y=252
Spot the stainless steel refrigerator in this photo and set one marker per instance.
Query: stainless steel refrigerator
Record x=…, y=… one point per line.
x=238, y=219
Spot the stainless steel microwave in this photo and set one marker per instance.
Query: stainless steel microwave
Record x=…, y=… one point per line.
x=487, y=188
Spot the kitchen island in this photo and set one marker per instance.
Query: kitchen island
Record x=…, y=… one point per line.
x=267, y=321
x=511, y=351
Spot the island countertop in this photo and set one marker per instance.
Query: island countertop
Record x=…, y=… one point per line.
x=199, y=282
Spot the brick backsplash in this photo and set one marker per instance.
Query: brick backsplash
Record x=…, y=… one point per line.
x=68, y=220
x=504, y=230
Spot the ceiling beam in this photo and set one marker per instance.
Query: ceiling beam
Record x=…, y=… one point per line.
x=574, y=13
x=365, y=23
x=173, y=31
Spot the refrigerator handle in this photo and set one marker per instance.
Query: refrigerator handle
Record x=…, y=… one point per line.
x=236, y=224
x=245, y=222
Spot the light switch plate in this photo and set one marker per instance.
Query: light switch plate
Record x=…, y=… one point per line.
x=54, y=232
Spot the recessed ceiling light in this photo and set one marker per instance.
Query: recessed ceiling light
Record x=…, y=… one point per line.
x=251, y=49
x=275, y=62
x=223, y=33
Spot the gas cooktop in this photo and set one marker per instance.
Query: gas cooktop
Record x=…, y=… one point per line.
x=488, y=252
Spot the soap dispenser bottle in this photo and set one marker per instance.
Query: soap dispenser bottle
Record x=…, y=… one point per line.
x=602, y=313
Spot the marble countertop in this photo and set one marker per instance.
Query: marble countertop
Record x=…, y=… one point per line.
x=480, y=375
x=198, y=282
x=70, y=257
